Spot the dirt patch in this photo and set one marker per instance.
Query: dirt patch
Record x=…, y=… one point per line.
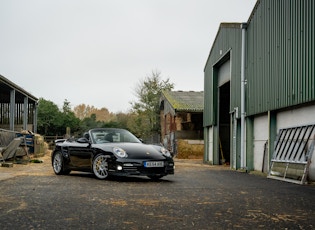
x=34, y=166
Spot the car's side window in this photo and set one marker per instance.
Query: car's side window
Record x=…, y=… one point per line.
x=109, y=137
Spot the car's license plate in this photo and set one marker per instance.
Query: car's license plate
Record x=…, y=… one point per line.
x=153, y=164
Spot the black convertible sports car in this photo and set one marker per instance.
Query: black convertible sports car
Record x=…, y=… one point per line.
x=110, y=151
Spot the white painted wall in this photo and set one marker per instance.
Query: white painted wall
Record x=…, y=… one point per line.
x=260, y=137
x=224, y=73
x=210, y=144
x=299, y=117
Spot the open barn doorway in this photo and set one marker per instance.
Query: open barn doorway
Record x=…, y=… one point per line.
x=224, y=123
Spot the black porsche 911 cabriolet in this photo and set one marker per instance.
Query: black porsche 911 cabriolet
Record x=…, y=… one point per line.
x=111, y=151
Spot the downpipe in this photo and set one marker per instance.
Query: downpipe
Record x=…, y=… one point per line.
x=243, y=83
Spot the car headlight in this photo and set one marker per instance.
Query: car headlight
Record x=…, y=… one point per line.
x=119, y=152
x=165, y=152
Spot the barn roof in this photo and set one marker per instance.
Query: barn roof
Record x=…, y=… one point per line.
x=184, y=101
x=5, y=88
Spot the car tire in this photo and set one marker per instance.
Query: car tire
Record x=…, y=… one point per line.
x=58, y=164
x=100, y=167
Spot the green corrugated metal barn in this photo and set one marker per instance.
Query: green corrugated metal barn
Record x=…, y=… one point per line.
x=259, y=78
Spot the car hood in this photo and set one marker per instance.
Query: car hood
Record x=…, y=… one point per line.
x=136, y=150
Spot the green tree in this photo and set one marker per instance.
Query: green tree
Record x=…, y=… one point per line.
x=69, y=119
x=90, y=123
x=120, y=120
x=138, y=124
x=147, y=110
x=51, y=121
x=48, y=118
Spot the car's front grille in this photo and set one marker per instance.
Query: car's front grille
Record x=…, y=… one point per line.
x=131, y=167
x=137, y=168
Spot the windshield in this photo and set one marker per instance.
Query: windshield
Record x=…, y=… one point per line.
x=112, y=135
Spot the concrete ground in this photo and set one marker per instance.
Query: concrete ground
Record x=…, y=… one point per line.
x=198, y=196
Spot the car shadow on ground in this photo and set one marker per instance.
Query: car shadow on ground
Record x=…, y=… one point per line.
x=127, y=179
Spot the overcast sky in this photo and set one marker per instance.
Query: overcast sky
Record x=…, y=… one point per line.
x=96, y=51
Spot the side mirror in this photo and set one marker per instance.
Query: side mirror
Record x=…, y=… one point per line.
x=83, y=140
x=60, y=140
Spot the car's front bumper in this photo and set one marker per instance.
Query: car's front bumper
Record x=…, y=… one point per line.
x=125, y=168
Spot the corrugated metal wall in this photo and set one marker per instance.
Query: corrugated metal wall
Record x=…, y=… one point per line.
x=280, y=55
x=226, y=45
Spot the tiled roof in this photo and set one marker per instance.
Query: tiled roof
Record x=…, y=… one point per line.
x=185, y=101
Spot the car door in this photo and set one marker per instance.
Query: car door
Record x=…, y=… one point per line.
x=80, y=156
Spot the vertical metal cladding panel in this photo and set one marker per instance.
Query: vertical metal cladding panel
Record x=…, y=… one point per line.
x=228, y=39
x=236, y=52
x=312, y=48
x=280, y=55
x=208, y=97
